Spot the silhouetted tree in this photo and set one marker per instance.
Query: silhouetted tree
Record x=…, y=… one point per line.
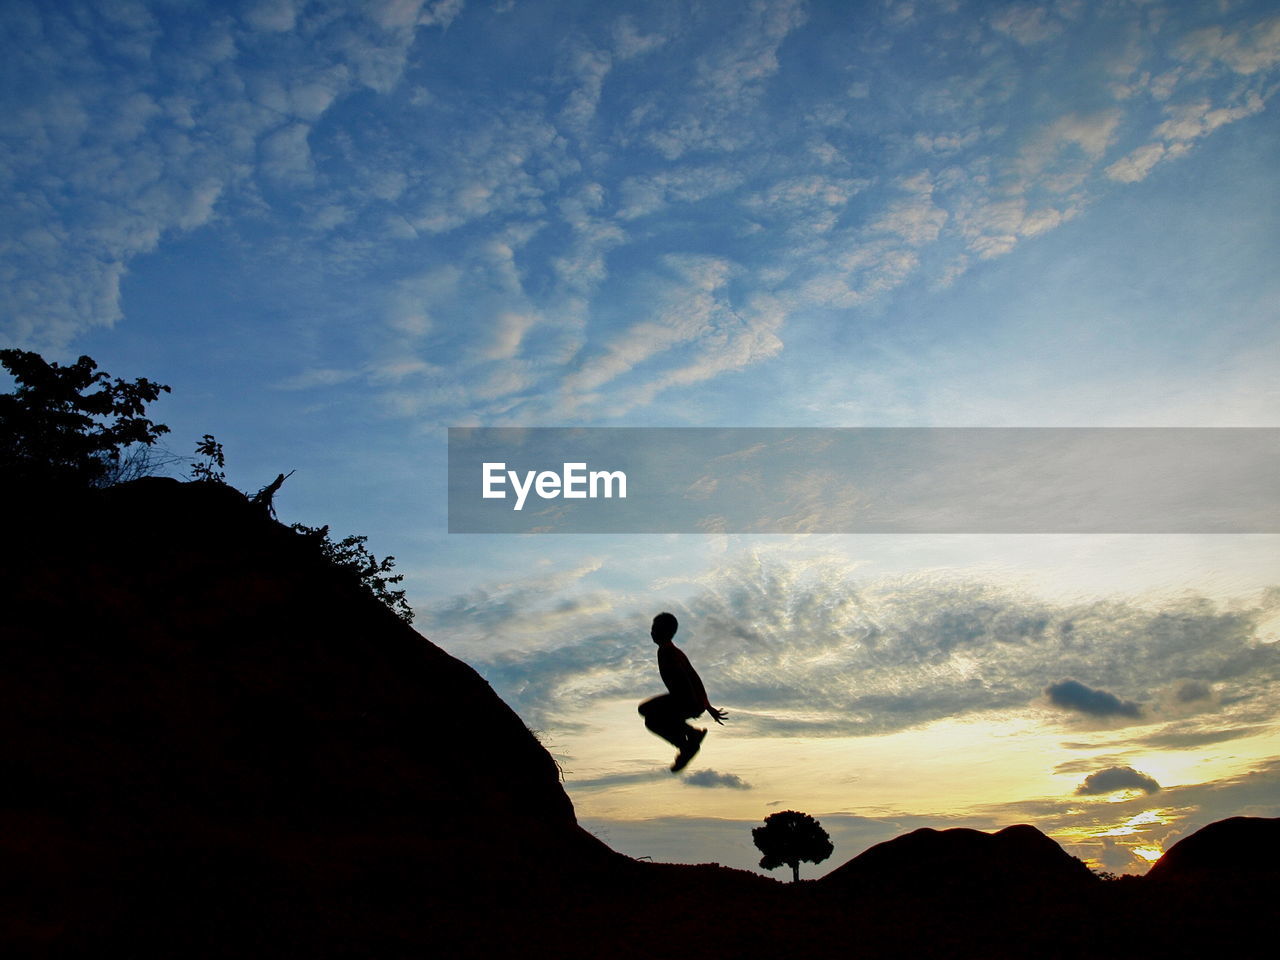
x=67, y=425
x=350, y=556
x=789, y=837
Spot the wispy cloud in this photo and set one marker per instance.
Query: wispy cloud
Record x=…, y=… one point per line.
x=798, y=651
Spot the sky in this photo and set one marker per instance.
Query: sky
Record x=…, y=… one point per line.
x=338, y=229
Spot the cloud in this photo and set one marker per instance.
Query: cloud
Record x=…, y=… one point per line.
x=1085, y=764
x=722, y=84
x=1026, y=23
x=575, y=194
x=488, y=166
x=507, y=335
x=807, y=204
x=737, y=339
x=1192, y=690
x=1195, y=119
x=1090, y=134
x=140, y=124
x=1251, y=50
x=807, y=649
x=1137, y=164
x=517, y=610
x=629, y=42
x=581, y=268
x=1073, y=695
x=1114, y=779
x=712, y=779
x=1194, y=106
x=1183, y=737
x=691, y=308
x=645, y=194
x=917, y=221
x=588, y=68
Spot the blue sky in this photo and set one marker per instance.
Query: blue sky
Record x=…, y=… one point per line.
x=337, y=229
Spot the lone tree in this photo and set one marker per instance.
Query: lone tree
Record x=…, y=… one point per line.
x=789, y=837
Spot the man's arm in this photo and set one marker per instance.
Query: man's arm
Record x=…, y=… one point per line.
x=698, y=691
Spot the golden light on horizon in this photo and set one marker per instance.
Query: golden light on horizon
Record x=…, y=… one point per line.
x=1133, y=824
x=1148, y=853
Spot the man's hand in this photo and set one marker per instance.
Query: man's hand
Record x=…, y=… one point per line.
x=717, y=715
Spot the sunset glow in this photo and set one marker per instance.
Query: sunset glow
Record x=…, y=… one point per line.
x=338, y=229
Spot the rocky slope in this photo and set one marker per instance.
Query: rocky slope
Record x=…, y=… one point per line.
x=205, y=725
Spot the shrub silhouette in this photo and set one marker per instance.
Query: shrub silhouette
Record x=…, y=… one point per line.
x=351, y=557
x=211, y=468
x=66, y=426
x=789, y=837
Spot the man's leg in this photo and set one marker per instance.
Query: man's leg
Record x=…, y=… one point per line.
x=692, y=743
x=665, y=718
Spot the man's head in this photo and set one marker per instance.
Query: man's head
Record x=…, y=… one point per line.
x=664, y=627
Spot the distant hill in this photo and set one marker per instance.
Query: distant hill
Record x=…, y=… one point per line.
x=216, y=745
x=1239, y=848
x=958, y=861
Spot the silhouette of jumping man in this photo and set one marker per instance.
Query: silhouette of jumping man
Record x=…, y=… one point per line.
x=685, y=698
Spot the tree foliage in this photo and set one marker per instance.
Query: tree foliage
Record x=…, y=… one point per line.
x=210, y=469
x=351, y=557
x=68, y=425
x=789, y=837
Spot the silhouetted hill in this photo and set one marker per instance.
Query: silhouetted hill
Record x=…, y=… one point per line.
x=1212, y=893
x=216, y=745
x=1239, y=848
x=193, y=697
x=927, y=862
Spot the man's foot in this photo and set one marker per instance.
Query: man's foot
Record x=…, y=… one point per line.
x=692, y=745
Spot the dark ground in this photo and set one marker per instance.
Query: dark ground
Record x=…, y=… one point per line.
x=215, y=745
